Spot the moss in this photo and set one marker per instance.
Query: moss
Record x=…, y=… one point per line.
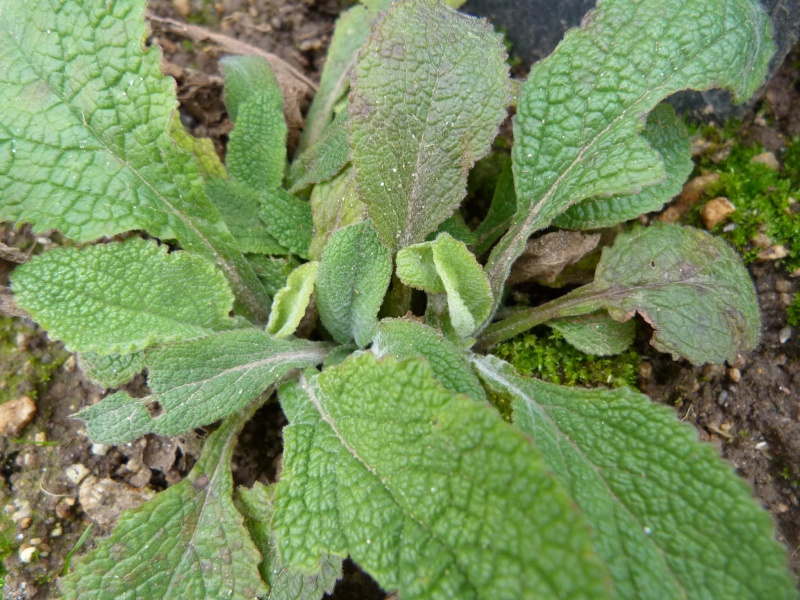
x=764, y=199
x=7, y=544
x=545, y=354
x=793, y=312
x=24, y=371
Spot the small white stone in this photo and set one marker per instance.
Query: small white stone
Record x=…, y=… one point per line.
x=100, y=449
x=76, y=473
x=26, y=554
x=57, y=531
x=785, y=334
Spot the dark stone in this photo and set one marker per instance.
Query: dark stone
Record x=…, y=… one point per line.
x=535, y=27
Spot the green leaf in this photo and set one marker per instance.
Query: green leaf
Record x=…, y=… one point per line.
x=501, y=211
x=122, y=297
x=257, y=506
x=86, y=136
x=476, y=516
x=273, y=271
x=256, y=153
x=581, y=110
x=596, y=333
x=334, y=204
x=403, y=339
x=352, y=29
x=456, y=227
x=111, y=370
x=242, y=210
x=354, y=273
x=198, y=382
x=447, y=266
x=202, y=149
x=671, y=520
x=187, y=542
x=291, y=301
x=411, y=149
x=668, y=136
x=325, y=159
x=287, y=219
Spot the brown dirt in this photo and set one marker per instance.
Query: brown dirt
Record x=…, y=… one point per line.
x=755, y=421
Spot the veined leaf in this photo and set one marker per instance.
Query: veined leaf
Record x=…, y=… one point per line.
x=187, y=542
x=325, y=159
x=292, y=300
x=258, y=506
x=476, y=516
x=428, y=96
x=668, y=136
x=257, y=147
x=202, y=149
x=580, y=112
x=447, y=266
x=122, y=297
x=334, y=204
x=402, y=338
x=273, y=271
x=111, y=370
x=86, y=141
x=596, y=333
x=671, y=520
x=196, y=383
x=354, y=273
x=287, y=219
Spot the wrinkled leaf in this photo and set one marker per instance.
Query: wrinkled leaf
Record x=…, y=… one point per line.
x=257, y=506
x=402, y=338
x=354, y=273
x=187, y=542
x=671, y=520
x=456, y=227
x=325, y=159
x=112, y=370
x=291, y=301
x=86, y=136
x=669, y=137
x=428, y=96
x=287, y=219
x=334, y=204
x=596, y=333
x=476, y=516
x=273, y=271
x=581, y=110
x=202, y=149
x=196, y=383
x=122, y=297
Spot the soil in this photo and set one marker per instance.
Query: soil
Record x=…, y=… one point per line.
x=750, y=410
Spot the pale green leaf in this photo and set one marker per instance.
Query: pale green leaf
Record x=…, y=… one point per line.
x=291, y=301
x=256, y=153
x=202, y=149
x=112, y=370
x=188, y=542
x=198, y=382
x=501, y=211
x=273, y=271
x=403, y=338
x=86, y=136
x=122, y=297
x=354, y=274
x=456, y=227
x=325, y=159
x=596, y=333
x=668, y=136
x=257, y=505
x=476, y=517
x=671, y=520
x=242, y=209
x=416, y=269
x=352, y=29
x=334, y=204
x=428, y=95
x=582, y=109
x=287, y=219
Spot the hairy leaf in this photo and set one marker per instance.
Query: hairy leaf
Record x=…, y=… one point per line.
x=287, y=219
x=428, y=96
x=256, y=153
x=668, y=136
x=476, y=516
x=416, y=268
x=196, y=383
x=187, y=542
x=325, y=159
x=122, y=297
x=456, y=227
x=576, y=132
x=202, y=149
x=85, y=136
x=112, y=370
x=334, y=204
x=292, y=301
x=257, y=505
x=354, y=273
x=273, y=271
x=596, y=333
x=403, y=338
x=671, y=520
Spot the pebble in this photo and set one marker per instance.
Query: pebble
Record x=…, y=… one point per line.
x=104, y=499
x=27, y=553
x=775, y=252
x=100, y=449
x=762, y=240
x=64, y=507
x=716, y=211
x=735, y=375
x=76, y=473
x=787, y=299
x=768, y=160
x=25, y=522
x=782, y=286
x=15, y=415
x=56, y=531
x=785, y=334
x=740, y=362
